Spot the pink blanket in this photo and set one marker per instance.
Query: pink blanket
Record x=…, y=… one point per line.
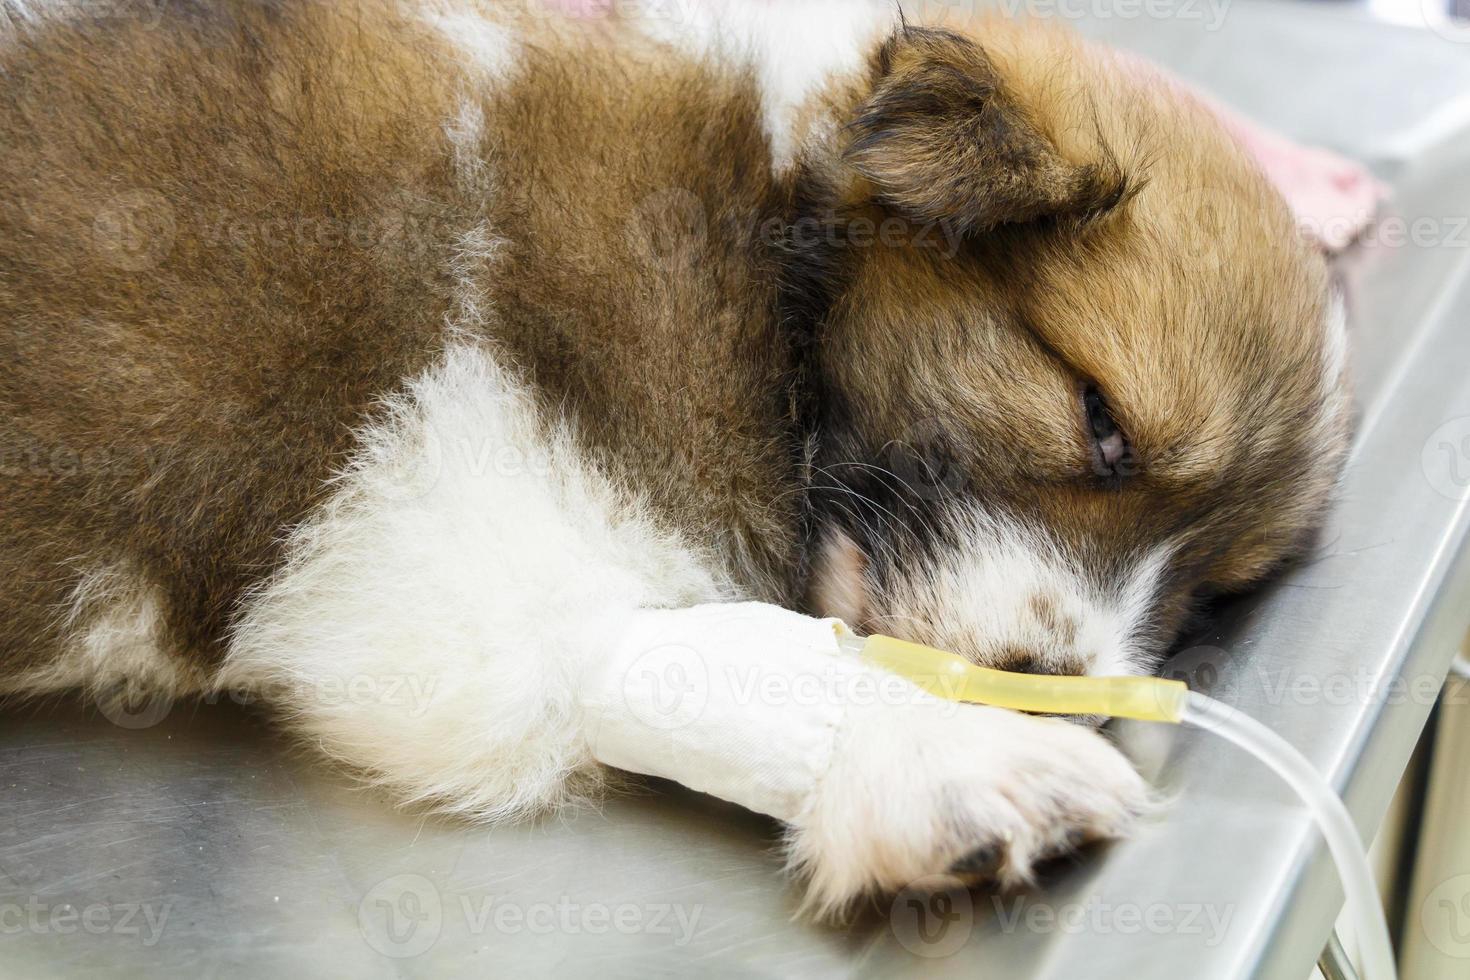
x=1334, y=198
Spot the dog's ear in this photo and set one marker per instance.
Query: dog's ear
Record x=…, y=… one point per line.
x=942, y=138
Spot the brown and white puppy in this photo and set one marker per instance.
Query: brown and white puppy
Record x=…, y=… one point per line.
x=1124, y=391
x=424, y=366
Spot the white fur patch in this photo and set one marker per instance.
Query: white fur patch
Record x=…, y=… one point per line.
x=1336, y=362
x=114, y=626
x=796, y=48
x=491, y=47
x=837, y=579
x=1130, y=602
x=465, y=131
x=473, y=251
x=1336, y=356
x=1007, y=587
x=470, y=553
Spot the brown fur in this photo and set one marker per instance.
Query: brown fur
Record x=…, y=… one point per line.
x=941, y=137
x=180, y=382
x=179, y=411
x=1189, y=302
x=174, y=403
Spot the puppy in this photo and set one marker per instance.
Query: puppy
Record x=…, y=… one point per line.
x=571, y=372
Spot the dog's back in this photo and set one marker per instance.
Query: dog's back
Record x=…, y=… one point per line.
x=229, y=230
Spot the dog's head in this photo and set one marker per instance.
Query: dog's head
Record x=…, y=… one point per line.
x=1075, y=366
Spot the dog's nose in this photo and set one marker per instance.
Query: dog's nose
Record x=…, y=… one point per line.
x=1035, y=665
x=1022, y=661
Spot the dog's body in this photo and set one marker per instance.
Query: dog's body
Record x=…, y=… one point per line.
x=351, y=342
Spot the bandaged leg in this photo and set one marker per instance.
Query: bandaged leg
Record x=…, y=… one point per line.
x=743, y=701
x=884, y=786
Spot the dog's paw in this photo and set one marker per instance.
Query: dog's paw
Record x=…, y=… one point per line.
x=978, y=793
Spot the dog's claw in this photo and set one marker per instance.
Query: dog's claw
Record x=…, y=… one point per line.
x=983, y=863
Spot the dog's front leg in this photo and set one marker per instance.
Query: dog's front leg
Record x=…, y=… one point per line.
x=435, y=618
x=882, y=785
x=481, y=620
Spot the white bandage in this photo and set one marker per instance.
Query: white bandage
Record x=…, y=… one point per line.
x=742, y=701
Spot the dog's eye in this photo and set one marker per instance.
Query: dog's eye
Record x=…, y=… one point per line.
x=1110, y=445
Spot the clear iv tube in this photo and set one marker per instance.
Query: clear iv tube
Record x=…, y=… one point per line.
x=1374, y=958
x=1155, y=699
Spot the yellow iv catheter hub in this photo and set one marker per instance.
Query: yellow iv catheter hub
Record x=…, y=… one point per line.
x=948, y=676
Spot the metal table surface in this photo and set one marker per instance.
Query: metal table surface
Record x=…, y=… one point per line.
x=200, y=845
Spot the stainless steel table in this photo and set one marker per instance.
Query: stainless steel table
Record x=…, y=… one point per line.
x=201, y=846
